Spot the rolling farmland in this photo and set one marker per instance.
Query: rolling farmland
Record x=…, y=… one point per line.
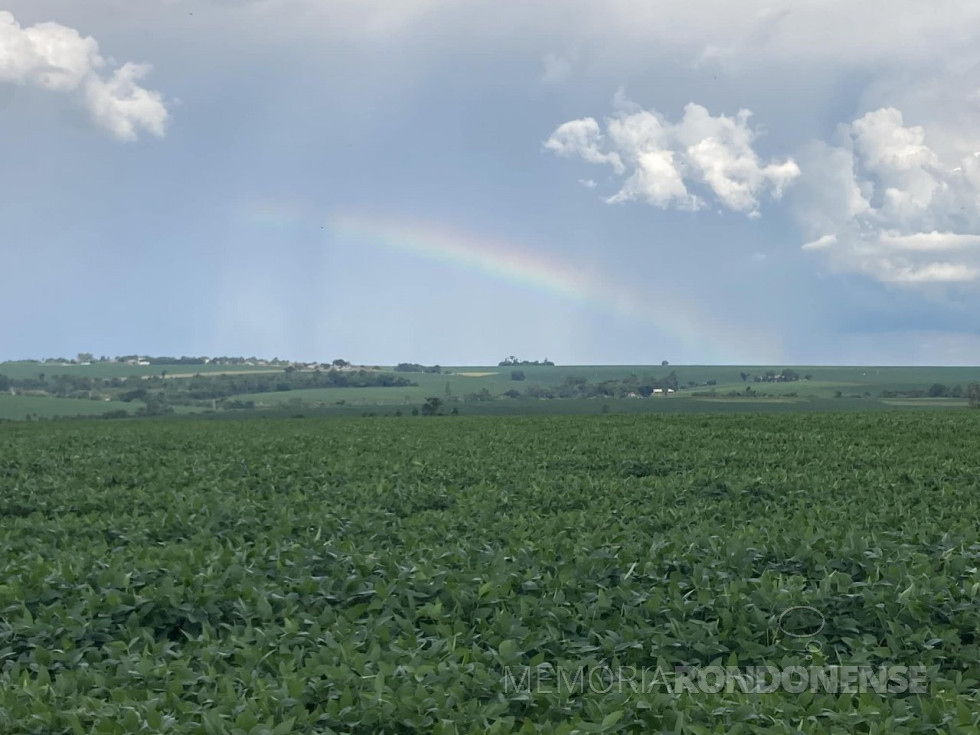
x=42, y=390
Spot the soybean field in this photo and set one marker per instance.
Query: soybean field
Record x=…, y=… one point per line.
x=449, y=574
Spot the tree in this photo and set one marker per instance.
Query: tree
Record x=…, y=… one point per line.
x=669, y=382
x=483, y=395
x=517, y=375
x=155, y=405
x=133, y=395
x=744, y=375
x=973, y=395
x=431, y=406
x=938, y=390
x=664, y=363
x=536, y=391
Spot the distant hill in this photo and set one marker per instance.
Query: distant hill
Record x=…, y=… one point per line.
x=137, y=385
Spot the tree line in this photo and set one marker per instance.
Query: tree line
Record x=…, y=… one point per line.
x=202, y=387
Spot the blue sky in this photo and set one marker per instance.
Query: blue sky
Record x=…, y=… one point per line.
x=750, y=182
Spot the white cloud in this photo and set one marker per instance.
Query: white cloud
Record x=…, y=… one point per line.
x=661, y=158
x=588, y=183
x=884, y=203
x=122, y=106
x=582, y=138
x=822, y=242
x=929, y=241
x=59, y=59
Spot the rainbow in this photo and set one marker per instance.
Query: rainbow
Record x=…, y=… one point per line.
x=670, y=314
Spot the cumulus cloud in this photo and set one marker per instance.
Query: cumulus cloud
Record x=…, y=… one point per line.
x=583, y=138
x=56, y=58
x=676, y=164
x=885, y=204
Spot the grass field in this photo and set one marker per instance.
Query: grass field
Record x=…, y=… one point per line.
x=46, y=407
x=399, y=575
x=827, y=381
x=465, y=378
x=26, y=369
x=374, y=401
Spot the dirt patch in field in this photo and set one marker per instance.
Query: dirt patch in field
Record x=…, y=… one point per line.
x=948, y=402
x=737, y=399
x=476, y=375
x=207, y=373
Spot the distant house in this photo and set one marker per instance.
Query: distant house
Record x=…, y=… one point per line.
x=658, y=391
x=631, y=394
x=142, y=363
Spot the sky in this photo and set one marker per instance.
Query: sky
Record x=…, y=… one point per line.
x=450, y=182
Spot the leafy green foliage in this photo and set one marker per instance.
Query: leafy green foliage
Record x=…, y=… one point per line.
x=364, y=576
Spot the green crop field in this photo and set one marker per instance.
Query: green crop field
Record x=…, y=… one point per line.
x=448, y=574
x=46, y=407
x=32, y=369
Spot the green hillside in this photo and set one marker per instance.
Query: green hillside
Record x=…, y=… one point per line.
x=46, y=390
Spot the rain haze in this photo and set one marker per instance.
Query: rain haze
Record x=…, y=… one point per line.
x=455, y=182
